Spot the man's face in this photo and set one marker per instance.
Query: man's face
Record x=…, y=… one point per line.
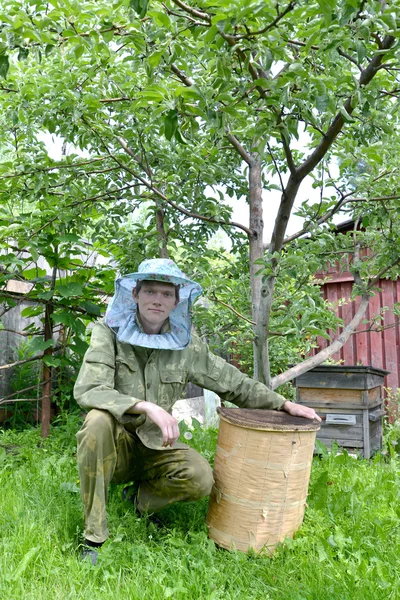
x=155, y=301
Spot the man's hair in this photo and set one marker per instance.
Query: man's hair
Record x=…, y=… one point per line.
x=141, y=282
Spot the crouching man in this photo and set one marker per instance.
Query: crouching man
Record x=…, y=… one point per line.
x=140, y=358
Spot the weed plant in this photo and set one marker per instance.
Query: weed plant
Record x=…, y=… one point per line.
x=347, y=549
x=25, y=377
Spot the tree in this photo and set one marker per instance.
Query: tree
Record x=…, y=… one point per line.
x=172, y=99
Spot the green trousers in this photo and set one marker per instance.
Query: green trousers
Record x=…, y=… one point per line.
x=107, y=452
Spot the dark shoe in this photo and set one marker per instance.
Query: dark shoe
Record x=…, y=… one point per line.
x=90, y=555
x=129, y=494
x=90, y=551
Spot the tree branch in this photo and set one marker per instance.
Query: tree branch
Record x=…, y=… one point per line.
x=156, y=191
x=120, y=99
x=288, y=154
x=377, y=199
x=214, y=297
x=276, y=168
x=377, y=328
x=16, y=332
x=27, y=360
x=271, y=25
x=125, y=146
x=192, y=11
x=337, y=124
x=185, y=80
x=325, y=217
x=6, y=399
x=56, y=167
x=239, y=148
x=6, y=89
x=350, y=58
x=323, y=355
x=107, y=195
x=381, y=273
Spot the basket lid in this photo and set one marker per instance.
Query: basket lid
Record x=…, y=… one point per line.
x=267, y=420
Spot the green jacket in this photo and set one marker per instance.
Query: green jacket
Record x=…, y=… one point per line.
x=115, y=376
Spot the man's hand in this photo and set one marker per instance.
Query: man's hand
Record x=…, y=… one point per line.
x=297, y=410
x=166, y=422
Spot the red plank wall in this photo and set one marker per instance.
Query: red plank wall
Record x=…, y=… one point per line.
x=376, y=348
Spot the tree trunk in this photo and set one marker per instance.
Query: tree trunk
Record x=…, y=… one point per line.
x=161, y=231
x=268, y=285
x=48, y=335
x=46, y=390
x=256, y=252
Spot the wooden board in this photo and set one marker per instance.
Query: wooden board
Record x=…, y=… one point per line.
x=348, y=444
x=332, y=406
x=345, y=378
x=309, y=394
x=316, y=398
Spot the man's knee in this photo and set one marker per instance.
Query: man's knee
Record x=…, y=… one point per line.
x=98, y=427
x=200, y=478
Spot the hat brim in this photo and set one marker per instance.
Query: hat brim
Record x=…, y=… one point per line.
x=175, y=280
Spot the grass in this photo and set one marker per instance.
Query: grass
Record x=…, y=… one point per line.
x=347, y=549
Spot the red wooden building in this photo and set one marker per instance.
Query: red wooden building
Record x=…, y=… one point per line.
x=375, y=344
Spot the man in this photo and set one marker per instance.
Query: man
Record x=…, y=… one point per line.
x=138, y=363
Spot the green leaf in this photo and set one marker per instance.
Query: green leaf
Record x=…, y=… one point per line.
x=154, y=59
x=322, y=103
x=160, y=18
x=51, y=361
x=179, y=137
x=37, y=344
x=140, y=7
x=62, y=316
x=34, y=273
x=23, y=53
x=46, y=295
x=72, y=289
x=269, y=59
x=79, y=346
x=91, y=308
x=319, y=332
x=24, y=563
x=322, y=449
x=327, y=6
x=32, y=311
x=4, y=65
x=69, y=237
x=361, y=51
x=151, y=95
x=346, y=117
x=170, y=124
x=260, y=82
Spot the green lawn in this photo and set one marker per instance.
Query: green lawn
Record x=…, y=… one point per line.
x=348, y=547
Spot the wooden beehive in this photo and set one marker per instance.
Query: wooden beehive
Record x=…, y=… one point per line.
x=349, y=399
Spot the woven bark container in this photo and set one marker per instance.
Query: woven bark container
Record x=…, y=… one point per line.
x=261, y=472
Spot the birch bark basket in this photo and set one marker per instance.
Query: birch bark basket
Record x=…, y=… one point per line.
x=261, y=472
